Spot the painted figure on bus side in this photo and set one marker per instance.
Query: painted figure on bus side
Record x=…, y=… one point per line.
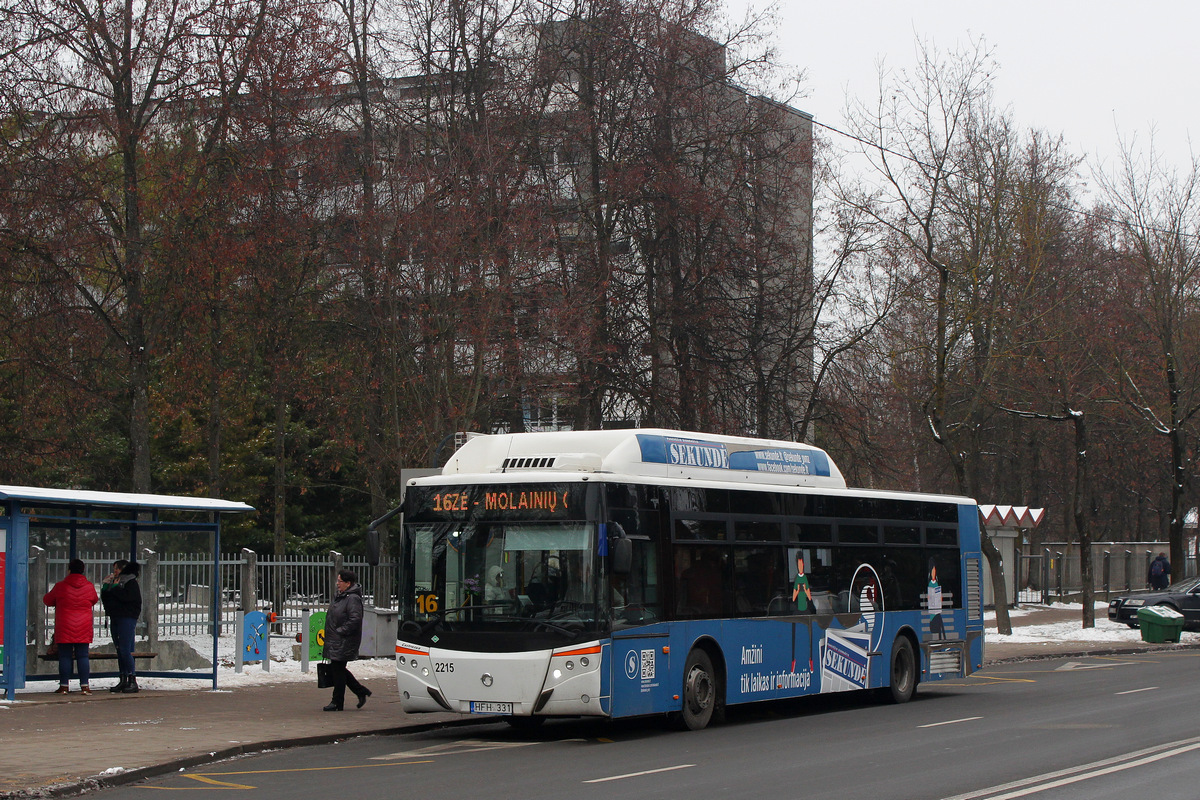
x=866, y=599
x=801, y=594
x=933, y=602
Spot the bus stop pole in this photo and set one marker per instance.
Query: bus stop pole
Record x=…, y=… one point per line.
x=15, y=597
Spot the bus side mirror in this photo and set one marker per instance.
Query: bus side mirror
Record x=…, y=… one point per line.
x=622, y=556
x=372, y=538
x=372, y=547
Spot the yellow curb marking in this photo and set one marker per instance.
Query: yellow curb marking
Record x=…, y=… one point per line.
x=210, y=777
x=980, y=680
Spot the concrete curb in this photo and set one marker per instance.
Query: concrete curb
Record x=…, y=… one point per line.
x=72, y=788
x=1104, y=651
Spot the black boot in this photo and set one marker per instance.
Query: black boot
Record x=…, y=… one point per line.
x=362, y=696
x=120, y=687
x=332, y=707
x=131, y=687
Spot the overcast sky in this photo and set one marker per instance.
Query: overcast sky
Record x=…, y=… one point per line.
x=1086, y=70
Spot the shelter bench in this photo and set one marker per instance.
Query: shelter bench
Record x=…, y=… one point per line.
x=97, y=656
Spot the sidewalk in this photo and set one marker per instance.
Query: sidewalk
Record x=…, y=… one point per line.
x=59, y=745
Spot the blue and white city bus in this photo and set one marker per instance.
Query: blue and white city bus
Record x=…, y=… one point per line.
x=638, y=572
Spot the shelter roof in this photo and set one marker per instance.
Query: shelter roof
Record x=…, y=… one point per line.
x=1011, y=516
x=81, y=497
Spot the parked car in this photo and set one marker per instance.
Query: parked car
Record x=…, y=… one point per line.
x=1183, y=596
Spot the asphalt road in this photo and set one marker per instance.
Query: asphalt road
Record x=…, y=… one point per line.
x=1096, y=727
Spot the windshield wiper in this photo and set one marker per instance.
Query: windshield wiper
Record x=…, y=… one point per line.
x=535, y=622
x=439, y=616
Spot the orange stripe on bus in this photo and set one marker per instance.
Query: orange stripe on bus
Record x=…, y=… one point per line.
x=408, y=651
x=586, y=651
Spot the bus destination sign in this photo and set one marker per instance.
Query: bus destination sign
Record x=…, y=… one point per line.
x=542, y=501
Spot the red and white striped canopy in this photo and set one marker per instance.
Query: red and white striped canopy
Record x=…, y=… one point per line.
x=1011, y=516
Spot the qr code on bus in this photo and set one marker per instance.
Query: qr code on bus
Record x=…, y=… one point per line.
x=647, y=664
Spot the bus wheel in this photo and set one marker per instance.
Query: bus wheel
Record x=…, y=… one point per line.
x=700, y=690
x=903, y=672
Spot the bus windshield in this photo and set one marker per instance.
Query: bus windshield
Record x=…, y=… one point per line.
x=480, y=577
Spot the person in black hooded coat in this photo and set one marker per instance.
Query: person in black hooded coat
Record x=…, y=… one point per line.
x=343, y=635
x=122, y=600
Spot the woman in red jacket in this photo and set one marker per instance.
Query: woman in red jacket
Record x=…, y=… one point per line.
x=73, y=598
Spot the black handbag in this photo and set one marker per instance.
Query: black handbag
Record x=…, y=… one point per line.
x=324, y=678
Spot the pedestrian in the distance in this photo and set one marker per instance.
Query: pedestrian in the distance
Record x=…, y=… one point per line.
x=1160, y=573
x=123, y=602
x=343, y=634
x=72, y=599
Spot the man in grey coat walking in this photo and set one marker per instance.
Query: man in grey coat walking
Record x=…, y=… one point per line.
x=343, y=634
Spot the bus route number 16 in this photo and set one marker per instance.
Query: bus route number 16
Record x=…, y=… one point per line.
x=427, y=603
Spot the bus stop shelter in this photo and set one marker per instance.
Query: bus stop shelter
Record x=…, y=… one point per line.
x=72, y=521
x=1005, y=524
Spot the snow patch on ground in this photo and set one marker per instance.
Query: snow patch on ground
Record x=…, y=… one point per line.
x=1068, y=631
x=284, y=669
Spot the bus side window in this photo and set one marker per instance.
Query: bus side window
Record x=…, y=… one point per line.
x=635, y=596
x=699, y=580
x=758, y=577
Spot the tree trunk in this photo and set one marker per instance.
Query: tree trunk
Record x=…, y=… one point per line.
x=1082, y=513
x=279, y=481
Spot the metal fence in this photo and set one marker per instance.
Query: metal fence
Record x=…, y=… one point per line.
x=181, y=585
x=185, y=592
x=289, y=585
x=1055, y=574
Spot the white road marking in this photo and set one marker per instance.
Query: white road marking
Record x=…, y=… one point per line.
x=639, y=774
x=949, y=722
x=1083, y=772
x=1076, y=665
x=1135, y=691
x=452, y=749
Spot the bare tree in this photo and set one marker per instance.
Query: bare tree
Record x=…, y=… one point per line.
x=111, y=88
x=1157, y=214
x=687, y=233
x=945, y=169
x=1057, y=374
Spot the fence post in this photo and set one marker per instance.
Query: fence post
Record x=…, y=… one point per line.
x=1046, y=576
x=338, y=562
x=1107, y=573
x=248, y=582
x=1058, y=574
x=383, y=585
x=39, y=566
x=150, y=575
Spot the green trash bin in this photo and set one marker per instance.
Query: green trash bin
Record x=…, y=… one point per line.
x=1160, y=624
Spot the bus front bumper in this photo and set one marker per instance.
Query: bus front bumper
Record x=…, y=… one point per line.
x=562, y=682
